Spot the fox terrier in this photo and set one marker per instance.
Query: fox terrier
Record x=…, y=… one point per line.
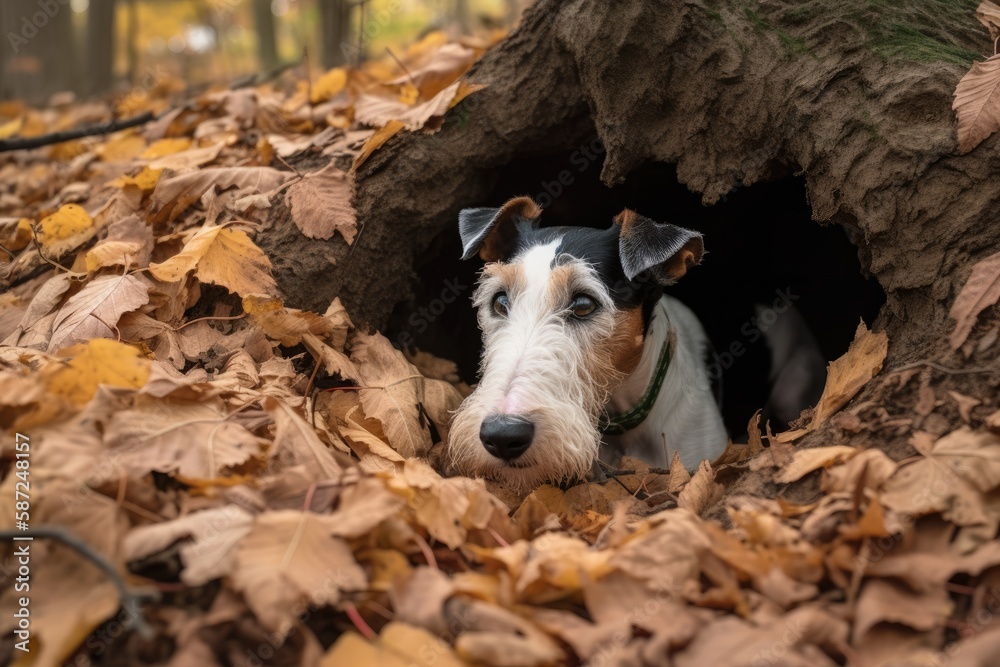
x=582, y=348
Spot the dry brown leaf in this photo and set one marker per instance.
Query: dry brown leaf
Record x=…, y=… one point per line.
x=95, y=310
x=977, y=103
x=285, y=325
x=129, y=243
x=210, y=553
x=981, y=291
x=296, y=443
x=321, y=204
x=951, y=477
x=394, y=392
x=290, y=556
x=845, y=377
x=965, y=405
x=172, y=196
x=988, y=14
x=679, y=476
x=41, y=305
x=805, y=461
x=194, y=440
x=701, y=492
x=220, y=256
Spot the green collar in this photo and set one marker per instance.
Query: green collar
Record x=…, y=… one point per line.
x=632, y=417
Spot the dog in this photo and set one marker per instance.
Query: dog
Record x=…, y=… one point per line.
x=582, y=349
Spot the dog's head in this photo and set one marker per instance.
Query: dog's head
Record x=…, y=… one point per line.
x=564, y=312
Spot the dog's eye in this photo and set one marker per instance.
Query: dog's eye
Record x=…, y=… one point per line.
x=582, y=305
x=501, y=304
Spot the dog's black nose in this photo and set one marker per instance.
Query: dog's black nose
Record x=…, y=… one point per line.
x=507, y=436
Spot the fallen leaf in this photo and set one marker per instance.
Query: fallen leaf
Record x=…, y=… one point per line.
x=321, y=204
x=192, y=439
x=382, y=135
x=173, y=195
x=328, y=85
x=69, y=221
x=701, y=492
x=805, y=461
x=981, y=291
x=977, y=103
x=94, y=363
x=210, y=552
x=399, y=645
x=285, y=325
x=989, y=15
x=290, y=556
x=95, y=310
x=221, y=256
x=951, y=477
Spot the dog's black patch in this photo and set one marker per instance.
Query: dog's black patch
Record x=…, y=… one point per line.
x=600, y=249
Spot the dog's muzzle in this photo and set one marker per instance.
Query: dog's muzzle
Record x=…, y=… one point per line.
x=507, y=436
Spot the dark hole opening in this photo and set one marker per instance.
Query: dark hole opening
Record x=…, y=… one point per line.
x=763, y=248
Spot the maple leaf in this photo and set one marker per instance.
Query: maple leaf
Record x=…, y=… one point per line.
x=221, y=256
x=321, y=204
x=289, y=556
x=95, y=310
x=980, y=291
x=951, y=477
x=194, y=440
x=977, y=103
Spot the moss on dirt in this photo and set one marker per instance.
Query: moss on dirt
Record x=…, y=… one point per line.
x=918, y=31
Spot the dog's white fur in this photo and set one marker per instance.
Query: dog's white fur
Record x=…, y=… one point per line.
x=560, y=373
x=684, y=418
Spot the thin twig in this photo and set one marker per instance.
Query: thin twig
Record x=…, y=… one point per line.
x=203, y=319
x=26, y=143
x=401, y=66
x=131, y=599
x=12, y=255
x=51, y=262
x=943, y=369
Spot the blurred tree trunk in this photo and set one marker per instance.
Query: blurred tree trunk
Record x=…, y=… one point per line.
x=335, y=42
x=460, y=14
x=101, y=45
x=40, y=56
x=263, y=19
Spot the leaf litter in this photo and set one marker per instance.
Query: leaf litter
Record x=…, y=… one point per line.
x=275, y=473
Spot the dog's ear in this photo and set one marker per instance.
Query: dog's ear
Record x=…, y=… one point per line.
x=665, y=251
x=493, y=231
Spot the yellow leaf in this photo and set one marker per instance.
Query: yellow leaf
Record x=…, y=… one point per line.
x=68, y=221
x=408, y=94
x=166, y=147
x=97, y=362
x=121, y=148
x=10, y=128
x=145, y=180
x=16, y=236
x=399, y=645
x=329, y=85
x=221, y=256
x=464, y=90
x=383, y=135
